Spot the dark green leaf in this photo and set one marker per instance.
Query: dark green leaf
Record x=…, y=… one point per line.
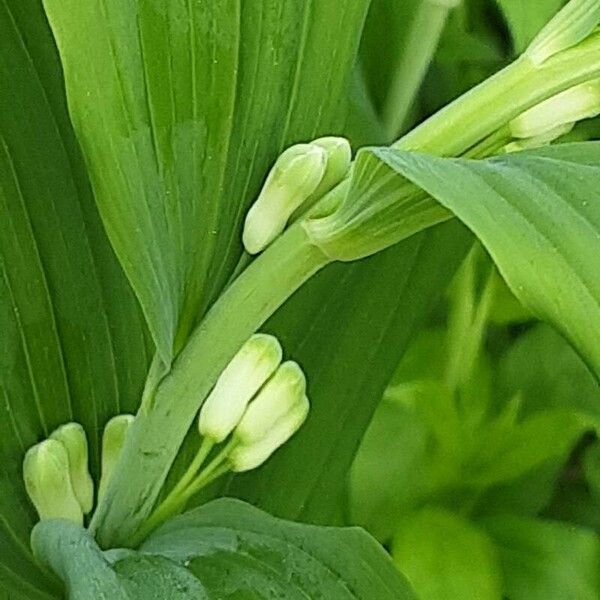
x=73, y=341
x=237, y=551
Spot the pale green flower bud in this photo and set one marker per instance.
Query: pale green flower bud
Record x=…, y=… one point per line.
x=275, y=400
x=243, y=377
x=73, y=438
x=568, y=107
x=539, y=141
x=246, y=457
x=571, y=25
x=48, y=482
x=113, y=440
x=293, y=178
x=338, y=160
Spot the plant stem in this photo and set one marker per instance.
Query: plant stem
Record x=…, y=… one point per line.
x=157, y=433
x=495, y=102
x=175, y=502
x=205, y=447
x=422, y=41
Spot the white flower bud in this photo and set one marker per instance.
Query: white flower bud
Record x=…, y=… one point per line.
x=243, y=377
x=570, y=26
x=293, y=178
x=575, y=104
x=275, y=400
x=338, y=160
x=48, y=482
x=247, y=457
x=113, y=440
x=73, y=438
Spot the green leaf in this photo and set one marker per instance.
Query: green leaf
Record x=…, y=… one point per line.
x=526, y=19
x=548, y=373
x=527, y=445
x=544, y=560
x=88, y=574
x=163, y=96
x=446, y=558
x=73, y=338
x=237, y=551
x=520, y=207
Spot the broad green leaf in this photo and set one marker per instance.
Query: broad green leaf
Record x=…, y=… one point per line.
x=525, y=19
x=547, y=372
x=72, y=553
x=180, y=108
x=446, y=558
x=73, y=339
x=520, y=207
x=237, y=551
x=349, y=354
x=544, y=560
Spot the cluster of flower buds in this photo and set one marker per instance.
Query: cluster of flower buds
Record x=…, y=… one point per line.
x=258, y=401
x=56, y=471
x=257, y=404
x=301, y=175
x=547, y=121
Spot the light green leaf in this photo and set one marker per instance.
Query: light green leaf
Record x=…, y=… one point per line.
x=525, y=19
x=73, y=338
x=548, y=373
x=446, y=558
x=520, y=207
x=238, y=551
x=163, y=98
x=545, y=436
x=544, y=560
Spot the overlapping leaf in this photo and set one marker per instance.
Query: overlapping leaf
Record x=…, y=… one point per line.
x=224, y=549
x=180, y=107
x=73, y=341
x=538, y=214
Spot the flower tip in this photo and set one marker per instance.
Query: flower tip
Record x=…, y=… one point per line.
x=113, y=440
x=73, y=438
x=246, y=457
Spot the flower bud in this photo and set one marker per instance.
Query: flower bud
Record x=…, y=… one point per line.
x=580, y=102
x=73, y=438
x=275, y=400
x=246, y=457
x=538, y=141
x=570, y=26
x=247, y=372
x=293, y=178
x=113, y=440
x=48, y=482
x=338, y=160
